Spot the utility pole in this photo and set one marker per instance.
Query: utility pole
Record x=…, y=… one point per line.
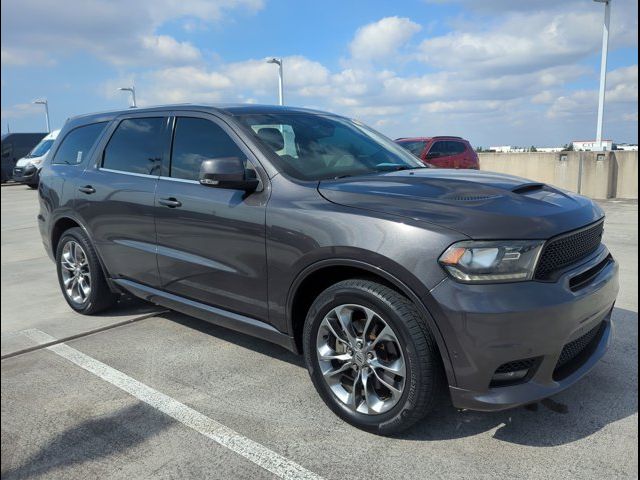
x=603, y=70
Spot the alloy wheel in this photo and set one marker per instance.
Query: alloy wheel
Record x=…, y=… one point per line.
x=76, y=277
x=361, y=359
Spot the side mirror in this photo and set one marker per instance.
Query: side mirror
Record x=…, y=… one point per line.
x=433, y=155
x=227, y=172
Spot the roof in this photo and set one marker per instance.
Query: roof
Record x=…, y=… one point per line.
x=425, y=139
x=224, y=109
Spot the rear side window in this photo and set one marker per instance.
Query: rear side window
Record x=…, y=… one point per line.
x=77, y=143
x=456, y=148
x=196, y=140
x=446, y=148
x=136, y=146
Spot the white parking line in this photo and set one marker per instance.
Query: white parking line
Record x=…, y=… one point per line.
x=253, y=451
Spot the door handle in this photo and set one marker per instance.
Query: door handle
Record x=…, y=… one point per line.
x=88, y=189
x=170, y=202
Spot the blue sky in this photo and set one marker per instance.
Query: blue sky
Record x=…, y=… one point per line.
x=497, y=71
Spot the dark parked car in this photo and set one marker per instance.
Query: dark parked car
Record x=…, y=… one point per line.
x=14, y=147
x=442, y=152
x=315, y=232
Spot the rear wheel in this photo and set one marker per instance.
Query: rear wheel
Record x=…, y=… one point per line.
x=80, y=274
x=371, y=357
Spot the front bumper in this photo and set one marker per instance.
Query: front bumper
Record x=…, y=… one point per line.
x=487, y=326
x=27, y=174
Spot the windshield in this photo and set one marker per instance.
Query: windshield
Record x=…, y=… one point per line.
x=316, y=147
x=41, y=149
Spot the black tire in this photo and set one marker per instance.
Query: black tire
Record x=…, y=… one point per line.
x=100, y=296
x=33, y=186
x=423, y=381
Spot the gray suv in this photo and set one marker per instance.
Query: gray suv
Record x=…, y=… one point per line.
x=313, y=231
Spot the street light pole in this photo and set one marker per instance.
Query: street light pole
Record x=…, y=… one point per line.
x=278, y=61
x=603, y=70
x=46, y=111
x=132, y=90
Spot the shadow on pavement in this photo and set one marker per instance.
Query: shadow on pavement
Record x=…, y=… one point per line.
x=94, y=439
x=602, y=397
x=127, y=306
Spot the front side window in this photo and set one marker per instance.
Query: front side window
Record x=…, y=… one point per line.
x=439, y=149
x=77, y=143
x=414, y=147
x=136, y=146
x=196, y=140
x=314, y=147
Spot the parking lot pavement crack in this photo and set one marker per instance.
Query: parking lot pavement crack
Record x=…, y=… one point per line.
x=35, y=334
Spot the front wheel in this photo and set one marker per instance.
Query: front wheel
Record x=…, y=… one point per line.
x=371, y=356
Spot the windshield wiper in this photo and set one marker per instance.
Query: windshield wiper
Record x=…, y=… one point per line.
x=398, y=168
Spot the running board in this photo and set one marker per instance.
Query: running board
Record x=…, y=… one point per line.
x=217, y=316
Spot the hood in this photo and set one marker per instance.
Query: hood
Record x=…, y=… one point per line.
x=481, y=205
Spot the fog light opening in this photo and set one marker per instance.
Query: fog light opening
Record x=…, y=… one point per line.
x=508, y=377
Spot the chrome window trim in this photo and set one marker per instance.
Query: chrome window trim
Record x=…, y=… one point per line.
x=183, y=180
x=122, y=172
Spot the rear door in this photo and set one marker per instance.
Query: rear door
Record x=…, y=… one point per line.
x=211, y=241
x=438, y=154
x=457, y=153
x=447, y=154
x=116, y=195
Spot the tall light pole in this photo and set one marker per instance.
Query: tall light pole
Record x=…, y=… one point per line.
x=46, y=111
x=131, y=89
x=603, y=70
x=278, y=61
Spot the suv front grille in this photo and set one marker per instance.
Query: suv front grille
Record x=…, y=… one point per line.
x=562, y=251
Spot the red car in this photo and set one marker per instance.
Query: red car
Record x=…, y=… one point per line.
x=442, y=152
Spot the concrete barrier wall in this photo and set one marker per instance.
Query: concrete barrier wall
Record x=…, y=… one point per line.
x=627, y=181
x=597, y=175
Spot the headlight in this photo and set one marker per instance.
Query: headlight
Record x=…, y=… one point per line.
x=492, y=262
x=36, y=162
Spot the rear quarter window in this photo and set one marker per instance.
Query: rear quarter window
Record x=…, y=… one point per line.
x=76, y=144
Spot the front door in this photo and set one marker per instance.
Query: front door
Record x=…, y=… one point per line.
x=211, y=241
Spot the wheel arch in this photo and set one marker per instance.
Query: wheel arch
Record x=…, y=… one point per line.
x=66, y=222
x=320, y=275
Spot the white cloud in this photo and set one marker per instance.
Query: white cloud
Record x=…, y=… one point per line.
x=621, y=97
x=118, y=31
x=522, y=43
x=21, y=110
x=382, y=39
x=24, y=58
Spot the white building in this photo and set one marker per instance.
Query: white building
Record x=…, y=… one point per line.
x=549, y=149
x=591, y=145
x=628, y=147
x=501, y=149
x=507, y=149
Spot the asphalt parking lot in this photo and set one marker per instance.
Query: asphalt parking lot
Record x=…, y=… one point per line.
x=163, y=395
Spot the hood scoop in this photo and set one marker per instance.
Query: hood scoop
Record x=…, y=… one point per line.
x=528, y=188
